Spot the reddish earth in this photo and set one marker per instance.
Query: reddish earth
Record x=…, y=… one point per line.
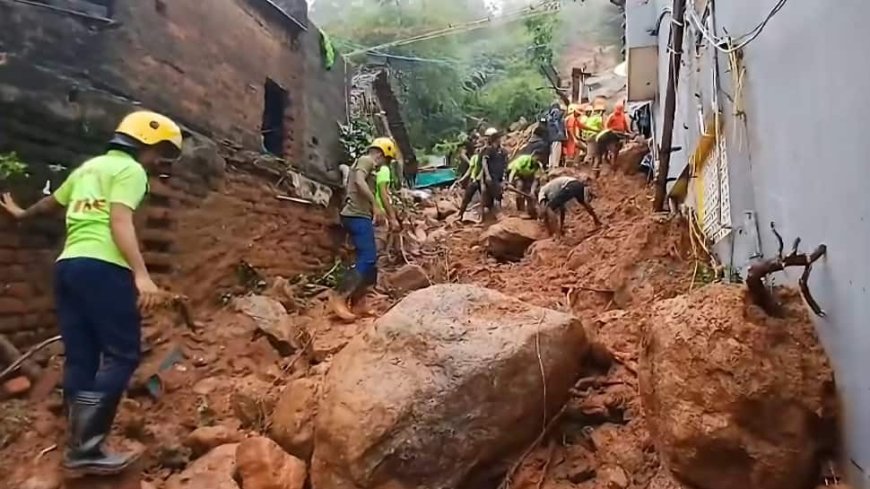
x=230, y=375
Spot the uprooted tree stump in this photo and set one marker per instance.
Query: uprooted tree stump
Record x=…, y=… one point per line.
x=760, y=270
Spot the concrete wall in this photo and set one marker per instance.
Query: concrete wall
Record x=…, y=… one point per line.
x=204, y=64
x=799, y=159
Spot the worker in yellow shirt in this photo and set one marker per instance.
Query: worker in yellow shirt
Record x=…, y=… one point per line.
x=594, y=124
x=524, y=174
x=384, y=182
x=99, y=277
x=473, y=176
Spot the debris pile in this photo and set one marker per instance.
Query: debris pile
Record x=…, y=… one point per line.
x=731, y=391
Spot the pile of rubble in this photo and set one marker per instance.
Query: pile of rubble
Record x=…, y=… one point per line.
x=593, y=361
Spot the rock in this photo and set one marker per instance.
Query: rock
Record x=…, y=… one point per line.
x=208, y=385
x=544, y=251
x=614, y=477
x=408, y=278
x=262, y=464
x=445, y=209
x=251, y=401
x=214, y=470
x=205, y=438
x=508, y=239
x=444, y=384
x=631, y=155
x=17, y=386
x=272, y=320
x=292, y=421
x=733, y=398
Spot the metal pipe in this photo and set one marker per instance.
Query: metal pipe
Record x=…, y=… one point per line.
x=665, y=149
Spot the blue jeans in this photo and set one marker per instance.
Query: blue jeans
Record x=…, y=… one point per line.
x=99, y=323
x=362, y=235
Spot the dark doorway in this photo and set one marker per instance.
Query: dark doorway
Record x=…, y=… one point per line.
x=274, y=105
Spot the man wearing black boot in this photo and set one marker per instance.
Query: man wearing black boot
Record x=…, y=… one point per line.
x=101, y=282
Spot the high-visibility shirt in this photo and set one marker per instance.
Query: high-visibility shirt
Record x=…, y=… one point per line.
x=594, y=124
x=523, y=166
x=88, y=194
x=474, y=166
x=383, y=176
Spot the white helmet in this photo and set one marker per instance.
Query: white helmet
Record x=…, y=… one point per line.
x=491, y=132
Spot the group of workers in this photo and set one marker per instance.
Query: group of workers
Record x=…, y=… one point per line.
x=538, y=193
x=586, y=133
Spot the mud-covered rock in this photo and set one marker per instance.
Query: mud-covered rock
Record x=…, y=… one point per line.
x=447, y=382
x=272, y=320
x=252, y=401
x=408, y=278
x=214, y=470
x=205, y=438
x=292, y=422
x=734, y=399
x=262, y=464
x=509, y=238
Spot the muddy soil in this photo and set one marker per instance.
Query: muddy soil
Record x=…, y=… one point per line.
x=228, y=374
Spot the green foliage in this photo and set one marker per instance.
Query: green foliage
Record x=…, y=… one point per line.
x=11, y=166
x=512, y=97
x=450, y=83
x=541, y=29
x=355, y=138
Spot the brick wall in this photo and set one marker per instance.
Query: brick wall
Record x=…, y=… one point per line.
x=195, y=227
x=204, y=63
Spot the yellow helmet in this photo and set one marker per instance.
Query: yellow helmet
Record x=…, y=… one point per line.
x=150, y=129
x=386, y=145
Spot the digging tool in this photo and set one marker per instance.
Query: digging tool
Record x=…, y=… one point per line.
x=518, y=191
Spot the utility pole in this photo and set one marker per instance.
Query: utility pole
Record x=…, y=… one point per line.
x=676, y=49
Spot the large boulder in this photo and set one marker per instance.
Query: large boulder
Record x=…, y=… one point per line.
x=735, y=399
x=508, y=239
x=447, y=382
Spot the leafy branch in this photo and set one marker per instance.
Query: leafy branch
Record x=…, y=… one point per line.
x=11, y=166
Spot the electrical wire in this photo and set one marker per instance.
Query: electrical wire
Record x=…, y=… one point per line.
x=742, y=41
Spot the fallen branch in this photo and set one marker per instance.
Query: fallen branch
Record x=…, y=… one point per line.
x=23, y=358
x=759, y=271
x=505, y=484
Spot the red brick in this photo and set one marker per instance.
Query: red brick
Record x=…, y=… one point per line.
x=9, y=239
x=11, y=324
x=7, y=256
x=18, y=290
x=16, y=387
x=13, y=273
x=9, y=305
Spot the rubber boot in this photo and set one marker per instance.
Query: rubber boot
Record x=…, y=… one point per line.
x=90, y=421
x=339, y=299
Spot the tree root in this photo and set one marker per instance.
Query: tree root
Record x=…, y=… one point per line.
x=755, y=278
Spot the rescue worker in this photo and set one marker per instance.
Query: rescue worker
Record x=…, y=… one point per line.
x=570, y=148
x=619, y=121
x=101, y=282
x=594, y=124
x=575, y=125
x=357, y=217
x=525, y=173
x=493, y=160
x=556, y=132
x=555, y=195
x=472, y=181
x=384, y=183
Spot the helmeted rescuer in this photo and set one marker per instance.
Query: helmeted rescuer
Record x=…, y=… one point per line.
x=99, y=278
x=357, y=217
x=493, y=161
x=525, y=172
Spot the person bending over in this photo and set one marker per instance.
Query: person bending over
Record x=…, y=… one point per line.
x=555, y=195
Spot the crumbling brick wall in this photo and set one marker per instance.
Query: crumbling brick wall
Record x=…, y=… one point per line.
x=199, y=222
x=203, y=63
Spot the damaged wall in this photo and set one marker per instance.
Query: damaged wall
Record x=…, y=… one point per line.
x=204, y=65
x=66, y=81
